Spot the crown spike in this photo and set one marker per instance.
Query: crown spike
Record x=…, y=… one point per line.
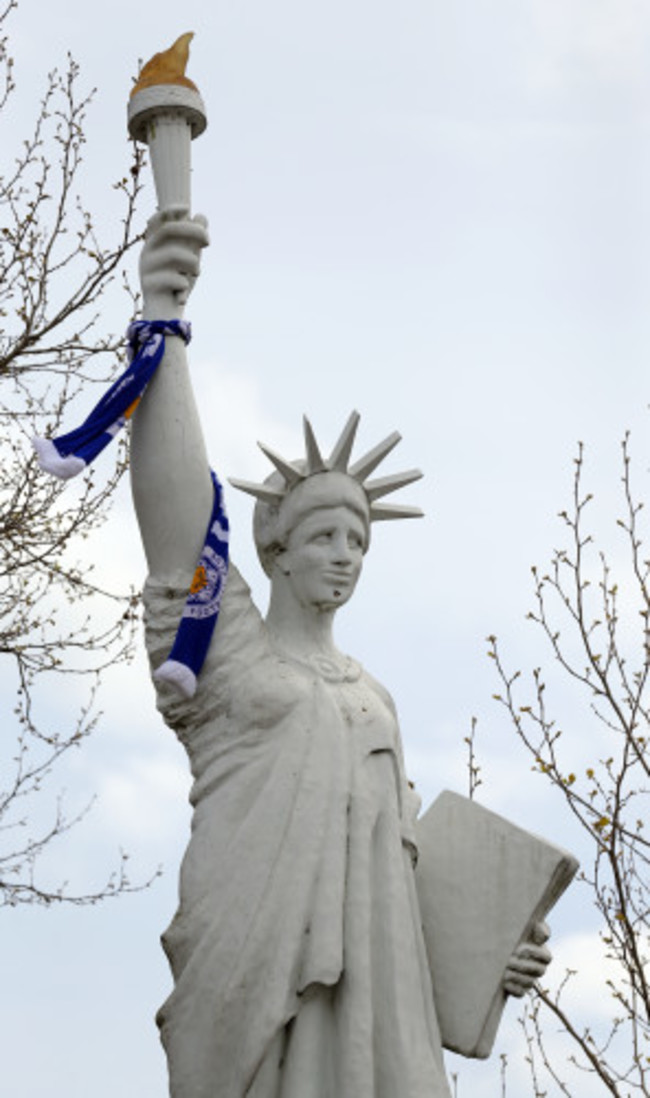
x=289, y=471
x=294, y=473
x=380, y=512
x=364, y=467
x=315, y=463
x=374, y=489
x=340, y=456
x=260, y=491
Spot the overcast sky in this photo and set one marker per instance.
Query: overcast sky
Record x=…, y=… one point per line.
x=437, y=214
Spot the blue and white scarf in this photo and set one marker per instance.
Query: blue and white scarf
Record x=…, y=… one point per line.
x=69, y=454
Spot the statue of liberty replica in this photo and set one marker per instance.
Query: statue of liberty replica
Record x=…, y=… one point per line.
x=327, y=944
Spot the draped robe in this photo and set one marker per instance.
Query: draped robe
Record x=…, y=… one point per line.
x=297, y=953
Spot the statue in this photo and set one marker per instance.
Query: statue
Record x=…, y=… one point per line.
x=297, y=951
x=300, y=964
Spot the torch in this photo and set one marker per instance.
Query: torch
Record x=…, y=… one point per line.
x=166, y=112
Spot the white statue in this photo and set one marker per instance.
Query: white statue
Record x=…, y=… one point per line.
x=297, y=950
x=300, y=963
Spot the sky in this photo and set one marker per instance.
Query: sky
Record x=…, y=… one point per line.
x=436, y=214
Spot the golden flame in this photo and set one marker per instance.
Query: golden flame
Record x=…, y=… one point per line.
x=167, y=67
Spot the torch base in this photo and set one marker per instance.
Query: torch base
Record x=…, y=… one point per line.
x=167, y=99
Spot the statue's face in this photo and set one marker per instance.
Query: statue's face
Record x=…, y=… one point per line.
x=323, y=557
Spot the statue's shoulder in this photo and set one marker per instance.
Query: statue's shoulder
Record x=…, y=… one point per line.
x=380, y=690
x=239, y=641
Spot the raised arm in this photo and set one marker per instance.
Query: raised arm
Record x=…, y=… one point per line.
x=170, y=476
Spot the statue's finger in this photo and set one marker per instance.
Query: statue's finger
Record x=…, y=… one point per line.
x=535, y=952
x=514, y=987
x=168, y=282
x=191, y=231
x=527, y=966
x=154, y=223
x=540, y=933
x=172, y=256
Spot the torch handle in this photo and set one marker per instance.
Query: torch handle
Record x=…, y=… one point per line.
x=169, y=140
x=167, y=117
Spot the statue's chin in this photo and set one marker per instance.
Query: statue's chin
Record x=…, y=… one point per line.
x=332, y=601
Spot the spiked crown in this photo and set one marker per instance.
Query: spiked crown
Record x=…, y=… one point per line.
x=293, y=473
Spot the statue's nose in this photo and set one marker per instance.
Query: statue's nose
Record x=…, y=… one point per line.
x=341, y=549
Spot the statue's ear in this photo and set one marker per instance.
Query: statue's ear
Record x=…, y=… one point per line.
x=280, y=561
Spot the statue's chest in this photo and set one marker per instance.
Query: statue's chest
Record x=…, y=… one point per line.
x=341, y=696
x=370, y=722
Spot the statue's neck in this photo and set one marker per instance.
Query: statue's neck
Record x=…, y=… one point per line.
x=301, y=631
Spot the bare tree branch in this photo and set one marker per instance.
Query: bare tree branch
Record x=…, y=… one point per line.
x=57, y=619
x=592, y=642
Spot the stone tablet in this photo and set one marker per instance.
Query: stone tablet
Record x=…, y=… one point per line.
x=482, y=883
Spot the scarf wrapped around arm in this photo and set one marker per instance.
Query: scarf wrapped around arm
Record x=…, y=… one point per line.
x=69, y=454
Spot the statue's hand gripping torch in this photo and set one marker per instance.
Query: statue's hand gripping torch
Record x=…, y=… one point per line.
x=166, y=112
